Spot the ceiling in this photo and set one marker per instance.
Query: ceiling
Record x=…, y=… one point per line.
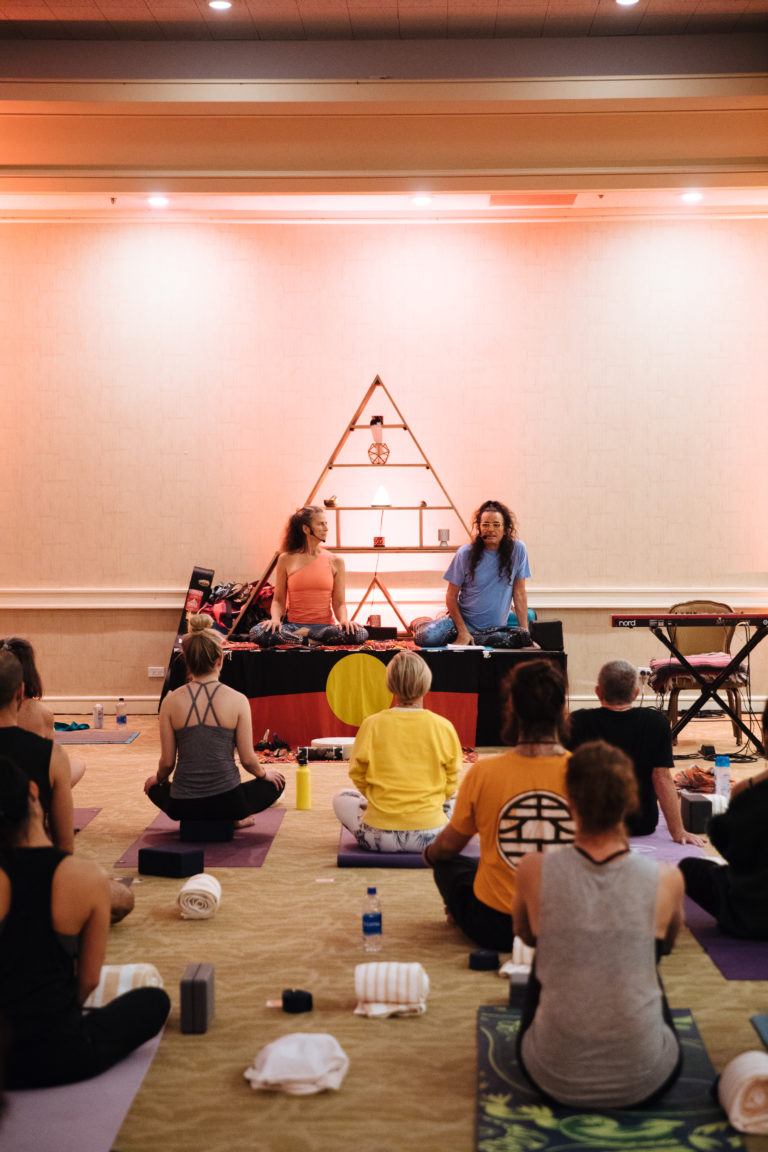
x=373, y=19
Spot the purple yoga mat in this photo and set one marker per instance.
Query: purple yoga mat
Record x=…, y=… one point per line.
x=84, y=1117
x=736, y=959
x=248, y=849
x=661, y=846
x=83, y=817
x=95, y=736
x=351, y=855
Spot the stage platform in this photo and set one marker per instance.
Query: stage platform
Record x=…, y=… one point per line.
x=302, y=694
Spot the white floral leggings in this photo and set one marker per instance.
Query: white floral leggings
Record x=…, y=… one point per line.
x=350, y=805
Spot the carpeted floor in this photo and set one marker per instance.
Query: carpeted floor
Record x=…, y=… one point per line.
x=295, y=922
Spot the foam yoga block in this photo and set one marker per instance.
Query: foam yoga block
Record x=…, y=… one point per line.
x=197, y=998
x=212, y=831
x=696, y=811
x=171, y=862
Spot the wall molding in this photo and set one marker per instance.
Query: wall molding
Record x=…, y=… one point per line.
x=611, y=598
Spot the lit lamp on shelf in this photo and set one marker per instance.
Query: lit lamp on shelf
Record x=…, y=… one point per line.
x=378, y=453
x=443, y=536
x=381, y=498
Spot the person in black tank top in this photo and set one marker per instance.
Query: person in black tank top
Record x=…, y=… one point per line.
x=49, y=963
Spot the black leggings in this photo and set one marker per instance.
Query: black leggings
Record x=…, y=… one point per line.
x=244, y=800
x=455, y=879
x=100, y=1038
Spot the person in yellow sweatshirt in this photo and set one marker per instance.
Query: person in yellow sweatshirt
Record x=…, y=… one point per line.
x=404, y=764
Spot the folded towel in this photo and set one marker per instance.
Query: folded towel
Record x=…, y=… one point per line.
x=391, y=989
x=200, y=897
x=743, y=1092
x=519, y=964
x=300, y=1063
x=115, y=979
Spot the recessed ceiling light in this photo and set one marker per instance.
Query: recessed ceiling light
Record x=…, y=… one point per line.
x=692, y=196
x=219, y=5
x=158, y=201
x=421, y=200
x=627, y=3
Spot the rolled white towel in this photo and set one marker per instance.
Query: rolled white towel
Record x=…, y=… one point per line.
x=115, y=979
x=520, y=961
x=200, y=897
x=743, y=1092
x=386, y=988
x=300, y=1063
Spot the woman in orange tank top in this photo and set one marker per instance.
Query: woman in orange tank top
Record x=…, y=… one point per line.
x=308, y=604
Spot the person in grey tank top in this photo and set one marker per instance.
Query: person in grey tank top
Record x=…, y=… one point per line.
x=596, y=1030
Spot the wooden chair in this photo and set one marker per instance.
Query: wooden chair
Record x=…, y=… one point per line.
x=708, y=649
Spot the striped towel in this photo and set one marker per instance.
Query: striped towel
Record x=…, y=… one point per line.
x=116, y=979
x=200, y=897
x=743, y=1092
x=391, y=989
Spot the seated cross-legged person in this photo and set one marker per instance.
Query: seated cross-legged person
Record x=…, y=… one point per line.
x=736, y=893
x=33, y=715
x=54, y=919
x=201, y=724
x=596, y=1031
x=484, y=579
x=515, y=801
x=308, y=604
x=405, y=762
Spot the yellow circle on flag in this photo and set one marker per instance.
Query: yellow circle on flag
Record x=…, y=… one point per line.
x=357, y=687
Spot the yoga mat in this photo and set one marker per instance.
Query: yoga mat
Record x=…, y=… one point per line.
x=737, y=959
x=760, y=1025
x=95, y=736
x=248, y=849
x=660, y=846
x=84, y=1117
x=83, y=817
x=351, y=855
x=511, y=1115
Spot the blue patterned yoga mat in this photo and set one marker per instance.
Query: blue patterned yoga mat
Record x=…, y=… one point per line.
x=511, y=1117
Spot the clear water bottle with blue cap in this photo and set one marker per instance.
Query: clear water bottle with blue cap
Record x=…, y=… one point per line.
x=372, y=922
x=723, y=776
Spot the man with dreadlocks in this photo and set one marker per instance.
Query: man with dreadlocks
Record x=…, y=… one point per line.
x=484, y=579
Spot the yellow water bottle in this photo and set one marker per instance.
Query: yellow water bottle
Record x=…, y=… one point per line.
x=303, y=781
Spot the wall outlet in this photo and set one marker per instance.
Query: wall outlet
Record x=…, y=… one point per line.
x=156, y=672
x=644, y=674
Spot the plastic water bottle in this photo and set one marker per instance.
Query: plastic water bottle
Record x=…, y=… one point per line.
x=372, y=922
x=723, y=776
x=121, y=716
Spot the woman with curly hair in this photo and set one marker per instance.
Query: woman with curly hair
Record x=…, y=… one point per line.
x=484, y=579
x=309, y=598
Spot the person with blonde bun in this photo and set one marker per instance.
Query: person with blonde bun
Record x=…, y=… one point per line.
x=54, y=919
x=32, y=714
x=309, y=600
x=404, y=764
x=201, y=725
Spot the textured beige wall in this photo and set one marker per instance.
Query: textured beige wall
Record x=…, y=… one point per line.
x=171, y=392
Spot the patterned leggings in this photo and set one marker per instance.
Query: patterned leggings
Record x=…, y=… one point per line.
x=350, y=806
x=298, y=634
x=437, y=633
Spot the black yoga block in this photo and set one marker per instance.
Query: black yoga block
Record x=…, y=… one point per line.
x=483, y=960
x=696, y=812
x=548, y=634
x=171, y=861
x=206, y=831
x=197, y=998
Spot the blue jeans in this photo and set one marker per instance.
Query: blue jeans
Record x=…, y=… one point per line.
x=437, y=633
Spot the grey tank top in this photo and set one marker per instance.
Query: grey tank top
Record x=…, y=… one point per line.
x=598, y=1037
x=205, y=757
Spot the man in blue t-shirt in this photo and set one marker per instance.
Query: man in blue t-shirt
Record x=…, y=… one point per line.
x=484, y=579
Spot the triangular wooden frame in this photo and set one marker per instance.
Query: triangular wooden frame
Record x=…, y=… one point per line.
x=353, y=425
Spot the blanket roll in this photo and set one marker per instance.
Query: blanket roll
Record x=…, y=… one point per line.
x=385, y=988
x=115, y=979
x=743, y=1092
x=200, y=897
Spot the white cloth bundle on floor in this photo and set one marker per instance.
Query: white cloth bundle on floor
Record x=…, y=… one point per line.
x=520, y=961
x=115, y=979
x=200, y=897
x=743, y=1092
x=300, y=1063
x=386, y=988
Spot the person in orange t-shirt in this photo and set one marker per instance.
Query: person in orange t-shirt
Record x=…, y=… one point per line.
x=308, y=603
x=517, y=804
